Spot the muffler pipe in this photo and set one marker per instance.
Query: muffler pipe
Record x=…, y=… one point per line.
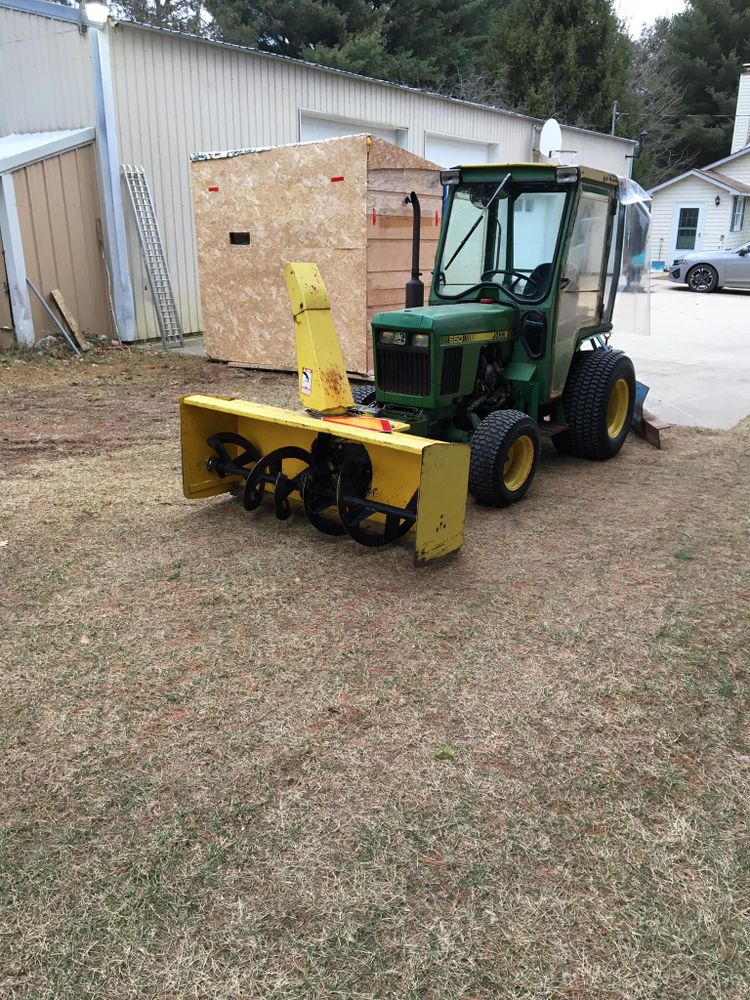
x=414, y=292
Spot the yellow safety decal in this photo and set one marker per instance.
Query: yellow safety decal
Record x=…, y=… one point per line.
x=476, y=338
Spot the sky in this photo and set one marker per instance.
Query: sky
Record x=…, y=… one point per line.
x=640, y=13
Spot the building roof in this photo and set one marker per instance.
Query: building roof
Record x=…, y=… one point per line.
x=728, y=182
x=22, y=148
x=60, y=11
x=711, y=175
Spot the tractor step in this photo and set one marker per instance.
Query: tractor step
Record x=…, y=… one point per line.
x=548, y=428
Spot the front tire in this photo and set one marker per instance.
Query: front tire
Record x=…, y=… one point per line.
x=363, y=395
x=598, y=400
x=504, y=456
x=702, y=278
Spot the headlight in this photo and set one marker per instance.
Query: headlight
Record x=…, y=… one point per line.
x=395, y=337
x=681, y=260
x=420, y=340
x=567, y=175
x=449, y=178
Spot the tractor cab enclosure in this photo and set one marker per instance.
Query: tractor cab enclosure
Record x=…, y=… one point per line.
x=526, y=268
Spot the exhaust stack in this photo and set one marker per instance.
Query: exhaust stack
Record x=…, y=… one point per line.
x=414, y=286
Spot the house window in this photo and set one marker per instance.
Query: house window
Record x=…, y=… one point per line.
x=738, y=213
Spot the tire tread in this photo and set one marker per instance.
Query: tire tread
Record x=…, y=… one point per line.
x=363, y=395
x=484, y=446
x=589, y=376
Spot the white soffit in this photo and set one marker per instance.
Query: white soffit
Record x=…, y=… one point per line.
x=22, y=148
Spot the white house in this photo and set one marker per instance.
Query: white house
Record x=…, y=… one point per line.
x=707, y=208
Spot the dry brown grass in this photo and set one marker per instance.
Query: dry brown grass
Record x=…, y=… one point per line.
x=225, y=740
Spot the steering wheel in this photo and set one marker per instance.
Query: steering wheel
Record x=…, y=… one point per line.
x=519, y=275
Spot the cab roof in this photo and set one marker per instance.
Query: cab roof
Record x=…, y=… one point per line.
x=585, y=173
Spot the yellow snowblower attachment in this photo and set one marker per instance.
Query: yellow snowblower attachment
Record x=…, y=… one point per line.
x=351, y=474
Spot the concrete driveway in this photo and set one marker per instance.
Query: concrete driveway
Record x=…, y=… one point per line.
x=697, y=359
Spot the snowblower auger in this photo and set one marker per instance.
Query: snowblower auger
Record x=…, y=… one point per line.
x=373, y=486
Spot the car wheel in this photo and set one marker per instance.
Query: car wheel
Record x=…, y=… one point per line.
x=702, y=278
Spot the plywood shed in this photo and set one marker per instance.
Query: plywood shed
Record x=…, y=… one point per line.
x=338, y=203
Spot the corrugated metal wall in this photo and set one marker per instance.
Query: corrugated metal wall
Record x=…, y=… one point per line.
x=45, y=74
x=57, y=211
x=176, y=96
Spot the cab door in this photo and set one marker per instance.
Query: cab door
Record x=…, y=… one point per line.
x=581, y=290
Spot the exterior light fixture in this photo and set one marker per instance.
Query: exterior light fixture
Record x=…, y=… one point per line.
x=717, y=200
x=97, y=13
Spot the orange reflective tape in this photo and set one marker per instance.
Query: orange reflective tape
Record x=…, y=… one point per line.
x=368, y=423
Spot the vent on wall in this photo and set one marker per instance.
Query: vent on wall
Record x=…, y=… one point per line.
x=240, y=239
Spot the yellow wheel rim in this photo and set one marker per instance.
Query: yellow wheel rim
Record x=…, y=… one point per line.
x=617, y=410
x=518, y=463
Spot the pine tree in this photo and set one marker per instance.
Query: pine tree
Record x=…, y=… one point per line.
x=292, y=27
x=563, y=58
x=177, y=15
x=705, y=48
x=436, y=44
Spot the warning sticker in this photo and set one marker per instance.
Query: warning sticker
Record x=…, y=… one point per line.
x=305, y=382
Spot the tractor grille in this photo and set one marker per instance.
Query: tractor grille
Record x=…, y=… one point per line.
x=405, y=371
x=451, y=376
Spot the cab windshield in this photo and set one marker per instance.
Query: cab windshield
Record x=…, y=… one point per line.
x=500, y=234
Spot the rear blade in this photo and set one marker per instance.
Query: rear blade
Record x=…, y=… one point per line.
x=645, y=423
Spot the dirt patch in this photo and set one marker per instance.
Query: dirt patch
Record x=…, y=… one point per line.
x=110, y=399
x=241, y=759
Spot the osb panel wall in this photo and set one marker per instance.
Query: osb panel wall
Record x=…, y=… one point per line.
x=58, y=210
x=357, y=230
x=293, y=209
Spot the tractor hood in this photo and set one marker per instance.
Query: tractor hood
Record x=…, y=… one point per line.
x=451, y=320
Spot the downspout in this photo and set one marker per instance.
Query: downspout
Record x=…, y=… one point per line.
x=108, y=164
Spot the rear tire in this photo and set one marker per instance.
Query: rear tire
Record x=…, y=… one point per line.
x=598, y=401
x=363, y=395
x=702, y=278
x=504, y=456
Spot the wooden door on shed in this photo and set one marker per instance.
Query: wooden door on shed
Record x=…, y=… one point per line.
x=6, y=316
x=58, y=209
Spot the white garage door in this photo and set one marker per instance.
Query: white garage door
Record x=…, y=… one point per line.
x=313, y=127
x=450, y=152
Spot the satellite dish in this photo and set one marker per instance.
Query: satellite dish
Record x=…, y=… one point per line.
x=550, y=140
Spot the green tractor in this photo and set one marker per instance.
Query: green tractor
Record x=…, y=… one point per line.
x=511, y=346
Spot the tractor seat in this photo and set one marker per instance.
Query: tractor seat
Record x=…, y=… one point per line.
x=538, y=281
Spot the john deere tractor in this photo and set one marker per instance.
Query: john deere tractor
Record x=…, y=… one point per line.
x=510, y=347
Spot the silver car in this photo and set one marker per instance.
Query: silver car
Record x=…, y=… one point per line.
x=705, y=272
